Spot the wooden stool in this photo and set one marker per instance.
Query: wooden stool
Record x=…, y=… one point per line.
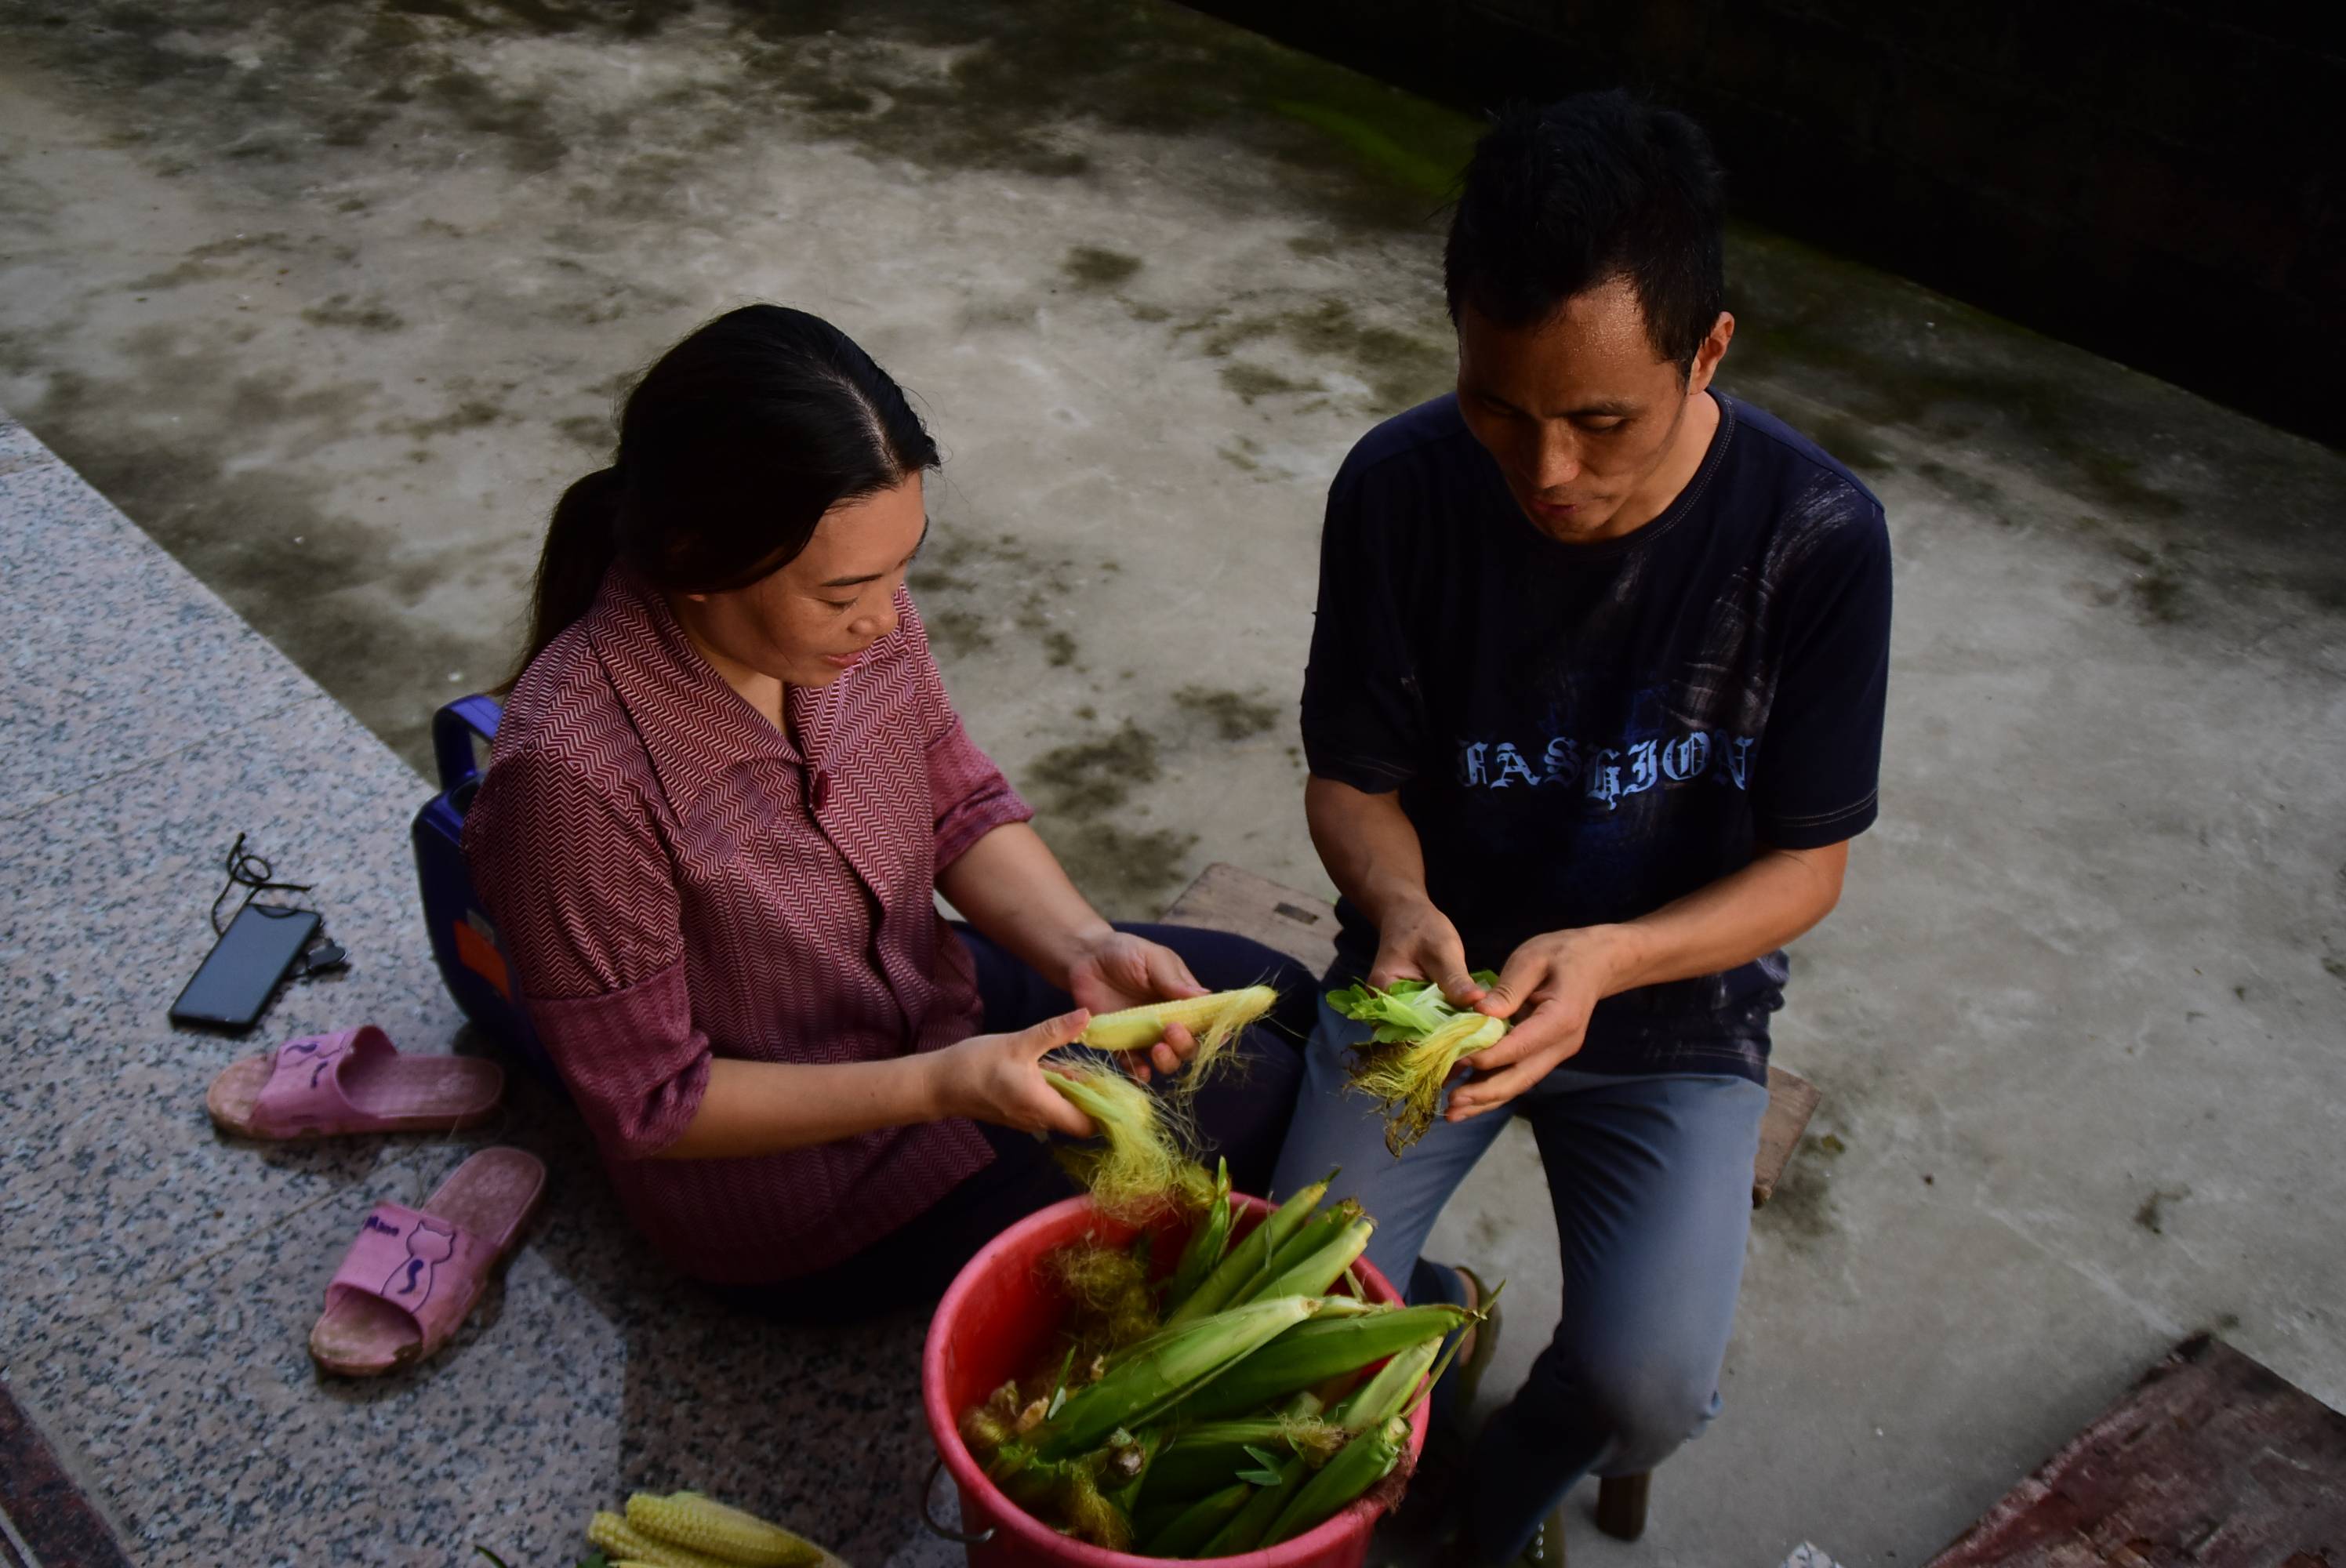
x=2212, y=1459
x=1304, y=928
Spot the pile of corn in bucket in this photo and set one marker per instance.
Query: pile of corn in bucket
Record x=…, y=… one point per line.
x=1221, y=1406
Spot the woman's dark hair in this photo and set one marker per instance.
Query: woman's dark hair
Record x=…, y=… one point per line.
x=1560, y=200
x=731, y=448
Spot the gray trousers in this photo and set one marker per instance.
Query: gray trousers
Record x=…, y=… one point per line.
x=1650, y=1176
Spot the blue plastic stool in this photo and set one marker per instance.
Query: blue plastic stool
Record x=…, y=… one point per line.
x=472, y=961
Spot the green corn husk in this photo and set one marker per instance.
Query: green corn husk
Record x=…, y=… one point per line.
x=1309, y=1238
x=1253, y=1249
x=1391, y=1391
x=1246, y=1527
x=1189, y=1531
x=1129, y=1466
x=1209, y=1238
x=1408, y=1058
x=1206, y=1457
x=1147, y=1383
x=1359, y=1465
x=1310, y=1353
x=1143, y=1170
x=1312, y=1274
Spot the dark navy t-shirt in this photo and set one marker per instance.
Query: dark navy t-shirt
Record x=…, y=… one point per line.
x=1581, y=733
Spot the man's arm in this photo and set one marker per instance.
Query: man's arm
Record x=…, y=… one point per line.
x=1373, y=854
x=1564, y=974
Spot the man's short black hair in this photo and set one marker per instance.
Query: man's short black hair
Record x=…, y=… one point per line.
x=1560, y=200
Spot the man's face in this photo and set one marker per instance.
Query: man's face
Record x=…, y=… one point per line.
x=1580, y=413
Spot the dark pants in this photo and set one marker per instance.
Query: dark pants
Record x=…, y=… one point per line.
x=1241, y=1116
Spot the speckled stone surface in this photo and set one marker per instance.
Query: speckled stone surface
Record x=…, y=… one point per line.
x=114, y=652
x=164, y=1279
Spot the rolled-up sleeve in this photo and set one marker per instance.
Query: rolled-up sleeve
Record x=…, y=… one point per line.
x=586, y=902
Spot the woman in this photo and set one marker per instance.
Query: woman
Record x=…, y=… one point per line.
x=727, y=781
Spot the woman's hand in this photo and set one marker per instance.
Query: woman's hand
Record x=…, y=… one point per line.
x=997, y=1078
x=1416, y=942
x=1120, y=971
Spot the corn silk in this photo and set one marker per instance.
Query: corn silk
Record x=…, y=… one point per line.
x=1418, y=1039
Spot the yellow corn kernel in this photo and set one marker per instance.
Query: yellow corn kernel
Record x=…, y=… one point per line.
x=704, y=1524
x=615, y=1536
x=1214, y=1019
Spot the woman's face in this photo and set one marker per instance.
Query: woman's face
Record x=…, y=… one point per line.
x=806, y=624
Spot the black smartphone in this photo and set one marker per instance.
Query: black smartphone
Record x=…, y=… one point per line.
x=245, y=966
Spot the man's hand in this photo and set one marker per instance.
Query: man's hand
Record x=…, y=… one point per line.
x=1560, y=977
x=1120, y=971
x=1417, y=941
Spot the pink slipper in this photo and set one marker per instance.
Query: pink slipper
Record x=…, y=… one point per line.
x=353, y=1081
x=413, y=1275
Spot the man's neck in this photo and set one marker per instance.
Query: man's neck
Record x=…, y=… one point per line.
x=1688, y=445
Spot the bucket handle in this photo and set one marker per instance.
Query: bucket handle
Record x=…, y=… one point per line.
x=928, y=1490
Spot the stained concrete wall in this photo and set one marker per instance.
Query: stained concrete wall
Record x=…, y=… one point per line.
x=2143, y=178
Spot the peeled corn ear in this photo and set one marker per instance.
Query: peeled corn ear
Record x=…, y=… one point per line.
x=1215, y=1019
x=615, y=1536
x=703, y=1524
x=1218, y=1014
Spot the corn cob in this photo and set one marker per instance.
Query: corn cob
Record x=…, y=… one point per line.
x=1313, y=1352
x=1194, y=1525
x=1253, y=1251
x=1310, y=1237
x=1207, y=1239
x=1359, y=1465
x=1246, y=1526
x=703, y=1524
x=616, y=1537
x=1312, y=1275
x=1204, y=1457
x=1388, y=1391
x=1147, y=1383
x=1214, y=1020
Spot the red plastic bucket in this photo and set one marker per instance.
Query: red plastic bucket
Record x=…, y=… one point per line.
x=992, y=1326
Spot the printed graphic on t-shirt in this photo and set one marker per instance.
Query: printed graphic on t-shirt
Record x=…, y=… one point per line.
x=1603, y=775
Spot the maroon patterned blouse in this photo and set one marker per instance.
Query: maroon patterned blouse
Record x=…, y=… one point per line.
x=675, y=878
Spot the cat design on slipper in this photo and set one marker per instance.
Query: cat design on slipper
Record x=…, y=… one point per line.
x=427, y=1247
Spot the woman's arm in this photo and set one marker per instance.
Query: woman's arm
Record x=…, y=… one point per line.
x=1010, y=886
x=765, y=1107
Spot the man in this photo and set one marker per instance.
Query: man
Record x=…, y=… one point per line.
x=1596, y=700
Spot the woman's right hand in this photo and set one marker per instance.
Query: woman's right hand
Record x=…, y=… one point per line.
x=998, y=1078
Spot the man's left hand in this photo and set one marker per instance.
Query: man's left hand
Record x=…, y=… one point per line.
x=1548, y=989
x=1121, y=971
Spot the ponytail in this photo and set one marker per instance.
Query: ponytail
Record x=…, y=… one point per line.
x=581, y=543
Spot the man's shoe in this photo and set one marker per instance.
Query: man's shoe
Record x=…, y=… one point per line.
x=1544, y=1550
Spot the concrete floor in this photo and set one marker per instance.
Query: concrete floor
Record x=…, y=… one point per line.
x=331, y=299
